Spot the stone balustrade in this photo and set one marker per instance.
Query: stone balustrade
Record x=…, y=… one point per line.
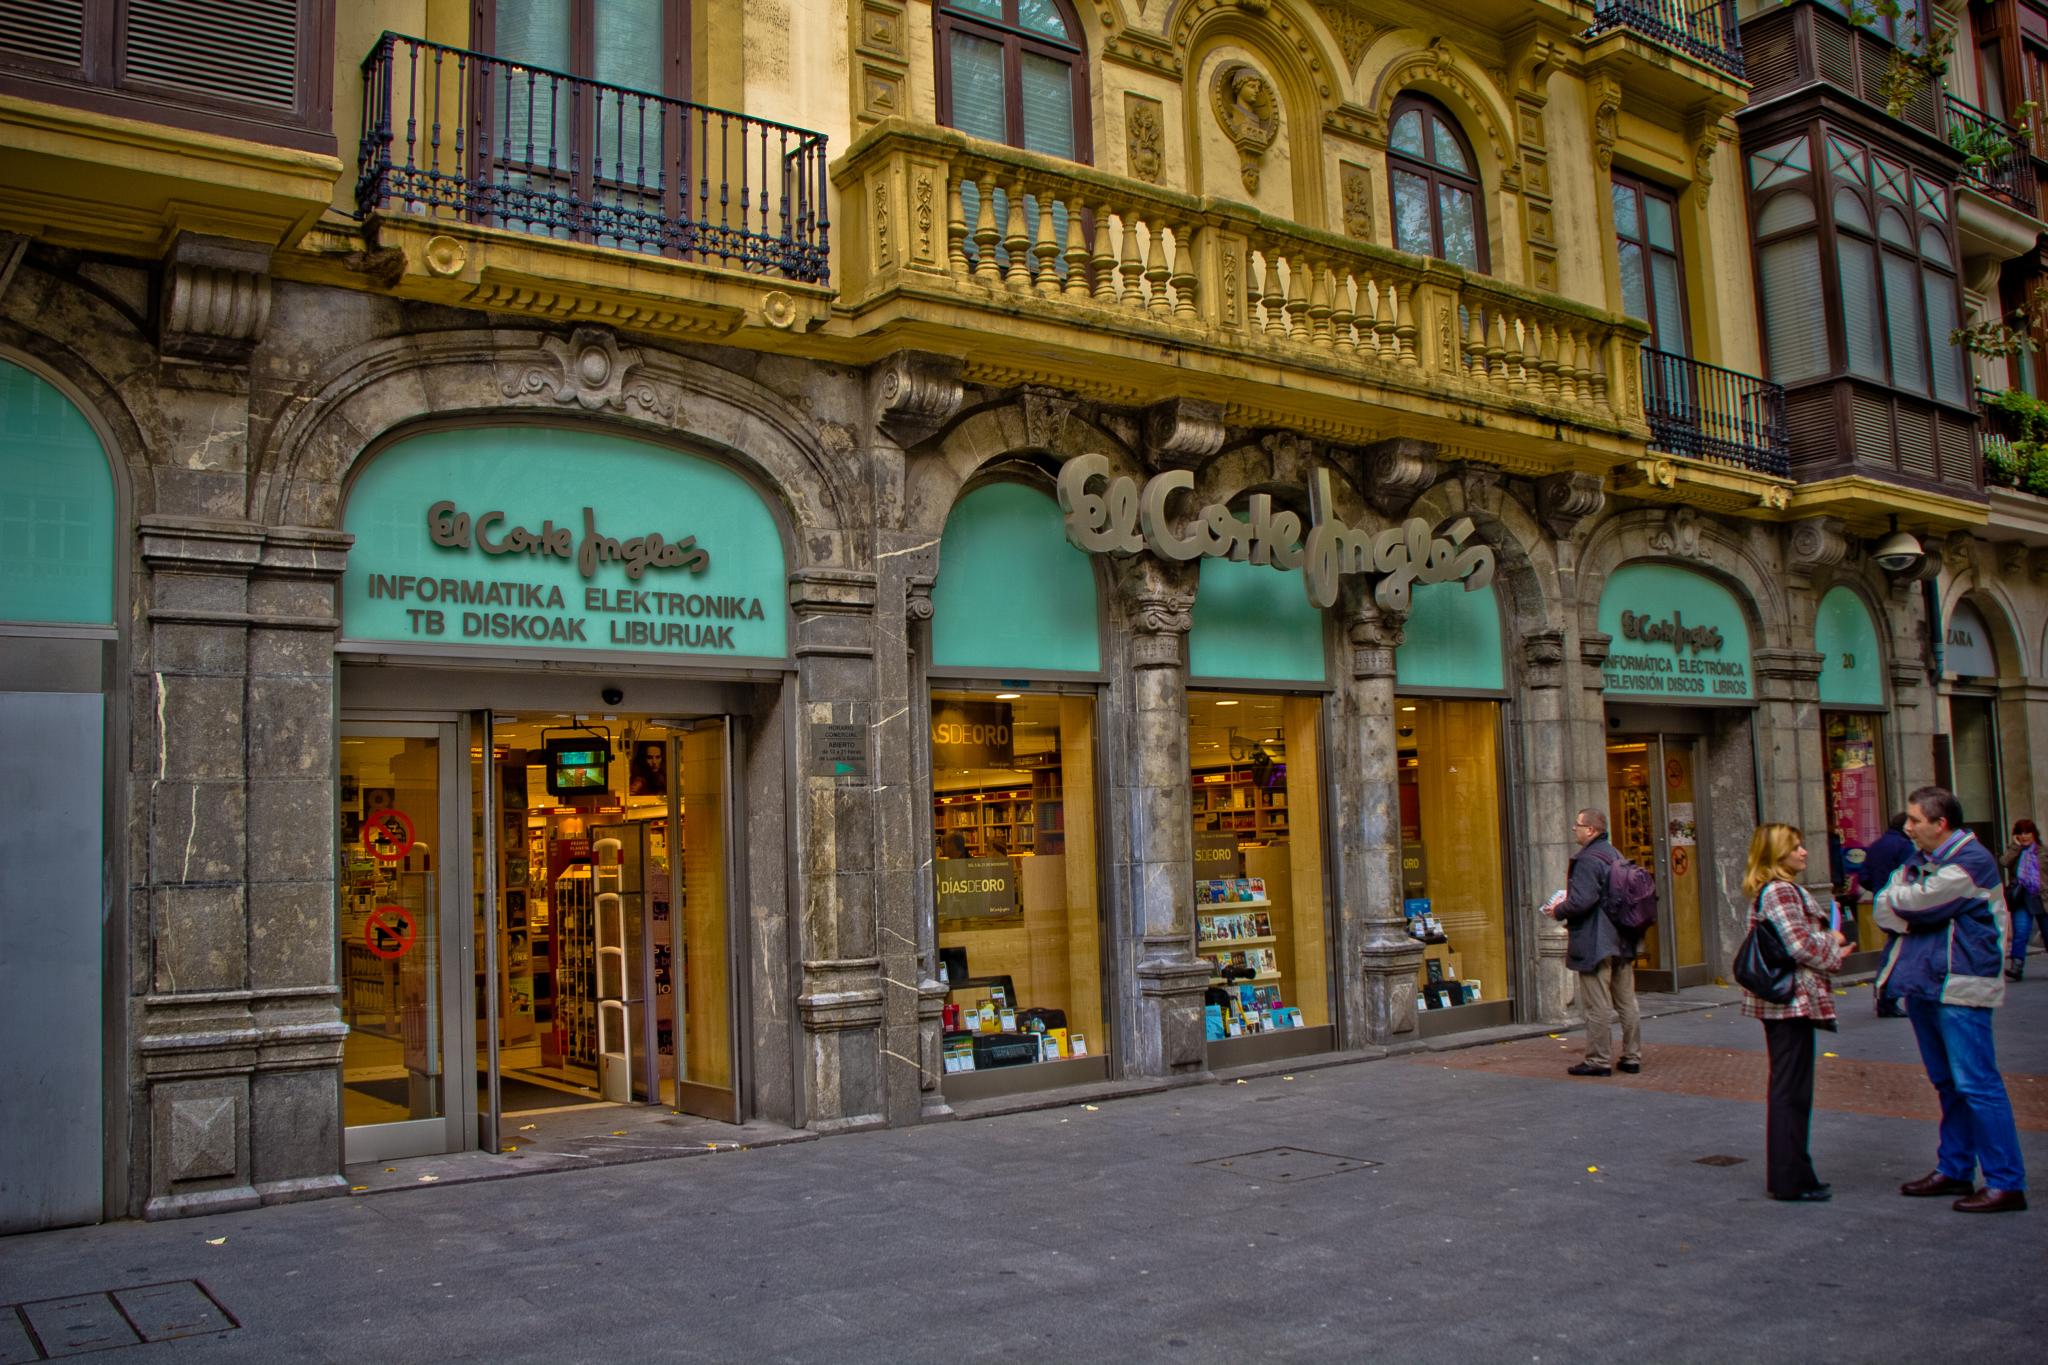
x=933, y=212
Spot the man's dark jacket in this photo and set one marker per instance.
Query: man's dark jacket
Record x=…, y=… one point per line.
x=1595, y=936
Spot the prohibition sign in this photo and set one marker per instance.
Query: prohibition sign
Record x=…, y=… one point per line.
x=388, y=835
x=389, y=924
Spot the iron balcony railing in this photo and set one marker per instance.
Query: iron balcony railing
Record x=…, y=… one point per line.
x=1706, y=32
x=1714, y=414
x=1995, y=156
x=478, y=139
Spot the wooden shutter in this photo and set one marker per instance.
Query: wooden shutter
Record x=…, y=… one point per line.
x=246, y=51
x=52, y=31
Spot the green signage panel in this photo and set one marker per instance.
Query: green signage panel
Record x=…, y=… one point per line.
x=1452, y=639
x=1254, y=621
x=1011, y=593
x=540, y=538
x=1846, y=636
x=56, y=508
x=1677, y=636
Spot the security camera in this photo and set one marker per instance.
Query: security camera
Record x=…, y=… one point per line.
x=1898, y=552
x=612, y=696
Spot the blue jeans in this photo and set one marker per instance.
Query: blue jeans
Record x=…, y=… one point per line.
x=2025, y=916
x=1976, y=1115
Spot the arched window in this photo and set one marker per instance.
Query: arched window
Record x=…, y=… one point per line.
x=1434, y=180
x=1015, y=71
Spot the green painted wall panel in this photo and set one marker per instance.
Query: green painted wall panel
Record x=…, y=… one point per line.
x=1011, y=592
x=1452, y=639
x=1662, y=597
x=1254, y=621
x=57, y=508
x=1846, y=636
x=515, y=602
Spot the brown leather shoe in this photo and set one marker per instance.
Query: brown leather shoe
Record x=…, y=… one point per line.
x=1934, y=1184
x=1989, y=1200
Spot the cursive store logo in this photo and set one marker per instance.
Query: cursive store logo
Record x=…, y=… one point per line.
x=453, y=529
x=1112, y=515
x=1672, y=631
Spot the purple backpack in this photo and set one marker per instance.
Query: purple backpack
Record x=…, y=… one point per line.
x=1631, y=900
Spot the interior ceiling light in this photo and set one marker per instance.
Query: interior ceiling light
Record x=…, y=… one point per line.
x=1226, y=703
x=1008, y=696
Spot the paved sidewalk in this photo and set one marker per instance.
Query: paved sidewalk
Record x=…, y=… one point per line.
x=1436, y=1206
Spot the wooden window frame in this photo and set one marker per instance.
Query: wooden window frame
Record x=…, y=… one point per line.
x=583, y=41
x=99, y=83
x=1650, y=189
x=1015, y=41
x=1428, y=170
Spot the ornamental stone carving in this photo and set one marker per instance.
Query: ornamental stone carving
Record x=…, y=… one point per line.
x=1564, y=501
x=1357, y=187
x=1543, y=659
x=1248, y=107
x=1603, y=92
x=1815, y=543
x=1182, y=432
x=589, y=369
x=1374, y=633
x=1396, y=472
x=1679, y=534
x=1046, y=411
x=915, y=395
x=216, y=299
x=1144, y=138
x=2012, y=559
x=1157, y=600
x=2037, y=565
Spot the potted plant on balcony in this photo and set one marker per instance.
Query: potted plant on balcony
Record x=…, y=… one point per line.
x=2018, y=457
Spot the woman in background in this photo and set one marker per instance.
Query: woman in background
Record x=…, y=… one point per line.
x=2022, y=863
x=1777, y=860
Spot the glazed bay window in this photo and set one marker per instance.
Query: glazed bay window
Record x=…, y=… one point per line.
x=1014, y=71
x=1019, y=914
x=1433, y=175
x=1260, y=921
x=1652, y=274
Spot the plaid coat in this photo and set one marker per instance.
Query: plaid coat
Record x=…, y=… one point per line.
x=1803, y=928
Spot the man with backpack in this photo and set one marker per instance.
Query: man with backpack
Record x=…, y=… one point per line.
x=1608, y=902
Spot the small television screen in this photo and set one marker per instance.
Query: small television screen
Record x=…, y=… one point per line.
x=579, y=767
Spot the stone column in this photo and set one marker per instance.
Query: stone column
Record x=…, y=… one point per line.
x=839, y=994
x=1548, y=802
x=1377, y=957
x=1793, y=782
x=235, y=1013
x=1166, y=982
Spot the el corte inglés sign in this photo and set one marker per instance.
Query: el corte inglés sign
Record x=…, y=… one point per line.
x=537, y=538
x=1675, y=634
x=1111, y=514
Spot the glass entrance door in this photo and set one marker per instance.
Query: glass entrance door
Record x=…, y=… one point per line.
x=1654, y=821
x=399, y=931
x=603, y=957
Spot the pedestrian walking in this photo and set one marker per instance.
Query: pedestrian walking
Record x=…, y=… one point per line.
x=1947, y=905
x=2022, y=863
x=1884, y=857
x=1777, y=861
x=1601, y=952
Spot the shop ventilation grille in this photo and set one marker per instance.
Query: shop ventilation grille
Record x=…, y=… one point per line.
x=104, y=1321
x=1282, y=1165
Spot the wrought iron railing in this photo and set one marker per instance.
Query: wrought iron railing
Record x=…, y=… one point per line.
x=1714, y=414
x=1705, y=32
x=449, y=133
x=1995, y=156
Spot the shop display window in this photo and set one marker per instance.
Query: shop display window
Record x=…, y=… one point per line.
x=1019, y=915
x=1856, y=809
x=1260, y=915
x=1453, y=887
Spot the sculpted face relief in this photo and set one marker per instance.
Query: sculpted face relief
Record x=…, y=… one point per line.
x=1112, y=515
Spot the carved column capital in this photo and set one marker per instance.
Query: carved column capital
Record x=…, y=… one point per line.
x=216, y=299
x=915, y=394
x=1594, y=648
x=1182, y=432
x=1395, y=473
x=1046, y=411
x=1157, y=601
x=2012, y=559
x=1565, y=500
x=1543, y=659
x=1373, y=632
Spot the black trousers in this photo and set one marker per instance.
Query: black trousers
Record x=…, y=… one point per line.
x=1789, y=1117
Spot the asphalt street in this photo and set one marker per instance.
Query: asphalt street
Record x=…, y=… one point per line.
x=1456, y=1206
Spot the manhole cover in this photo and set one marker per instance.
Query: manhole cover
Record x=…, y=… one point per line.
x=50, y=1328
x=1286, y=1163
x=1720, y=1160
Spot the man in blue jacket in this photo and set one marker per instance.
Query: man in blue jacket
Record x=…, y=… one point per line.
x=1947, y=904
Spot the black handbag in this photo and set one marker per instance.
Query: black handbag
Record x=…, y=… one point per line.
x=1763, y=965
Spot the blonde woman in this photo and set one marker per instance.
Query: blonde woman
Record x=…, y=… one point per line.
x=1777, y=862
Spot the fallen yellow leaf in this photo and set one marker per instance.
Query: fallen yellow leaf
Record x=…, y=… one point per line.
x=1557, y=1035
x=1592, y=1170
x=427, y=1179
x=1091, y=1108
x=528, y=1127
x=508, y=1149
x=215, y=1241
x=618, y=1132
x=1243, y=1082
x=357, y=1189
x=1827, y=1054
